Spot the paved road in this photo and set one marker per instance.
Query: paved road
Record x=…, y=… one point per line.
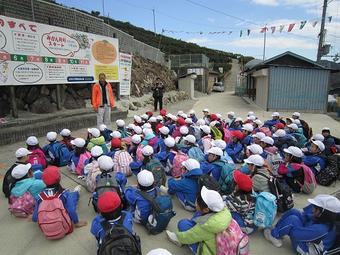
x=23, y=237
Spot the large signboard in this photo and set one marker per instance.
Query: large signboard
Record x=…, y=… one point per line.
x=125, y=64
x=34, y=53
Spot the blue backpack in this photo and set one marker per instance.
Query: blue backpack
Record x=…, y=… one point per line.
x=265, y=210
x=61, y=153
x=196, y=153
x=162, y=213
x=226, y=180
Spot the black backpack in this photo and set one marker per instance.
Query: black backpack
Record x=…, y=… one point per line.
x=330, y=174
x=283, y=193
x=206, y=180
x=8, y=182
x=118, y=240
x=335, y=250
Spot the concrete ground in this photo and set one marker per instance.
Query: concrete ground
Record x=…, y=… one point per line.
x=20, y=236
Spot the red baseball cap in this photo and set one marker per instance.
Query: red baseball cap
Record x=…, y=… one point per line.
x=279, y=125
x=51, y=175
x=243, y=181
x=116, y=143
x=149, y=113
x=238, y=134
x=108, y=202
x=162, y=112
x=213, y=116
x=181, y=121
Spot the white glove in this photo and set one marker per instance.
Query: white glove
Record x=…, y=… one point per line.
x=173, y=238
x=164, y=189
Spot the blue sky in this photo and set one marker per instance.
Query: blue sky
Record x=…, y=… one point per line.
x=188, y=16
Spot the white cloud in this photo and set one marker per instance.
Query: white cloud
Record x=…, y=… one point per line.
x=202, y=40
x=266, y=2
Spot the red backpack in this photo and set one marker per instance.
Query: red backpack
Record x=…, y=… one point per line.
x=22, y=206
x=180, y=157
x=53, y=218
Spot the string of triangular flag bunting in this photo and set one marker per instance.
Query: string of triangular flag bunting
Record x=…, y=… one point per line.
x=264, y=29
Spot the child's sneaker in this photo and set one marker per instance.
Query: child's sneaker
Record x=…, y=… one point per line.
x=268, y=235
x=173, y=238
x=77, y=188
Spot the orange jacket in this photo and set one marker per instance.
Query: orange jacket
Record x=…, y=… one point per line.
x=97, y=95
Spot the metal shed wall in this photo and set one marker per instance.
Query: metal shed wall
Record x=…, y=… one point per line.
x=292, y=88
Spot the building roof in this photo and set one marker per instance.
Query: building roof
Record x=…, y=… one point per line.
x=287, y=58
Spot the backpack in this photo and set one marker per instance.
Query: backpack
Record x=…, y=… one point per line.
x=118, y=240
x=226, y=180
x=217, y=134
x=139, y=154
x=158, y=171
x=309, y=184
x=196, y=153
x=121, y=162
x=22, y=206
x=8, y=182
x=274, y=160
x=330, y=174
x=227, y=135
x=162, y=212
x=36, y=159
x=179, y=158
x=266, y=131
x=93, y=171
x=282, y=192
x=60, y=154
x=232, y=241
x=53, y=219
x=265, y=210
x=206, y=180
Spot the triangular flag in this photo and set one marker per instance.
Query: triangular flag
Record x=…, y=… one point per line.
x=290, y=27
x=330, y=19
x=303, y=23
x=248, y=32
x=281, y=28
x=314, y=23
x=273, y=29
x=264, y=29
x=241, y=33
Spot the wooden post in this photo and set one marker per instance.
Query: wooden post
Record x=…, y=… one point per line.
x=58, y=97
x=13, y=102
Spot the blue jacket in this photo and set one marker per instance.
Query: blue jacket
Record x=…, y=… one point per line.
x=171, y=128
x=270, y=123
x=70, y=200
x=140, y=207
x=164, y=156
x=235, y=151
x=194, y=118
x=247, y=140
x=212, y=169
x=30, y=185
x=161, y=145
x=107, y=134
x=98, y=231
x=315, y=162
x=186, y=185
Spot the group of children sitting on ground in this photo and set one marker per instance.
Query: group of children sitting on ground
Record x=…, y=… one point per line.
x=235, y=175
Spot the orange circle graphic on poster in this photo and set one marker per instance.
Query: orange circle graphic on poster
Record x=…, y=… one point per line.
x=104, y=52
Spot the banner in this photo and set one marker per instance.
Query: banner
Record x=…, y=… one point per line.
x=34, y=53
x=125, y=65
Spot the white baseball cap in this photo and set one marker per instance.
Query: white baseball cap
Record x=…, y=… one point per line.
x=184, y=115
x=96, y=151
x=146, y=125
x=259, y=135
x=318, y=137
x=20, y=170
x=206, y=129
x=65, y=132
x=206, y=110
x=159, y=251
x=216, y=151
x=250, y=113
x=102, y=127
x=136, y=139
x=238, y=119
x=256, y=160
x=78, y=142
x=295, y=151
x=268, y=140
x=147, y=131
x=251, y=117
x=213, y=199
x=145, y=178
x=255, y=149
x=32, y=140
x=248, y=127
x=105, y=163
x=184, y=130
x=94, y=131
x=131, y=126
x=159, y=118
x=276, y=114
x=164, y=130
x=231, y=113
x=22, y=152
x=327, y=202
x=191, y=164
x=169, y=142
x=320, y=145
x=213, y=123
x=116, y=134
x=137, y=118
x=219, y=143
x=191, y=112
x=190, y=139
x=279, y=133
x=297, y=122
x=258, y=122
x=138, y=130
x=179, y=113
x=296, y=114
x=120, y=123
x=200, y=122
x=51, y=136
x=188, y=120
x=293, y=126
x=173, y=117
x=326, y=129
x=152, y=119
x=218, y=115
x=145, y=116
x=147, y=150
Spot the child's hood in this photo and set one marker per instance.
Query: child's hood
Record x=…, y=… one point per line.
x=98, y=140
x=215, y=222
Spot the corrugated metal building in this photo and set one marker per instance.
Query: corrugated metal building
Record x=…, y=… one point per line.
x=287, y=82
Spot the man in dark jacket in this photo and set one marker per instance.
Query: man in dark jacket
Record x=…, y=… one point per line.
x=158, y=91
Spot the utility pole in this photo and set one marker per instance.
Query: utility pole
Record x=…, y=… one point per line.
x=322, y=31
x=154, y=21
x=264, y=42
x=103, y=14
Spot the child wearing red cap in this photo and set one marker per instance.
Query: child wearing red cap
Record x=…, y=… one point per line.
x=241, y=203
x=110, y=208
x=51, y=177
x=235, y=147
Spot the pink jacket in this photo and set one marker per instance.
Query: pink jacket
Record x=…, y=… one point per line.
x=81, y=162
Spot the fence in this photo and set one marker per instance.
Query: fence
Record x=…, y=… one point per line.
x=57, y=15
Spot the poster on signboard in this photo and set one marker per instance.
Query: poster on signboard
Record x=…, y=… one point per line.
x=35, y=53
x=125, y=64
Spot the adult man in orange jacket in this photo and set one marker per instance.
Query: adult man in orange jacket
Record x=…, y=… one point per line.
x=103, y=100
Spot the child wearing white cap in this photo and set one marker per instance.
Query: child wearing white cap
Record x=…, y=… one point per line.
x=95, y=138
x=297, y=133
x=192, y=115
x=163, y=134
x=214, y=164
x=104, y=131
x=121, y=128
x=192, y=148
x=66, y=138
x=91, y=169
x=37, y=156
x=200, y=231
x=135, y=141
x=275, y=119
x=56, y=153
x=314, y=158
x=311, y=231
x=78, y=158
x=205, y=141
x=258, y=172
